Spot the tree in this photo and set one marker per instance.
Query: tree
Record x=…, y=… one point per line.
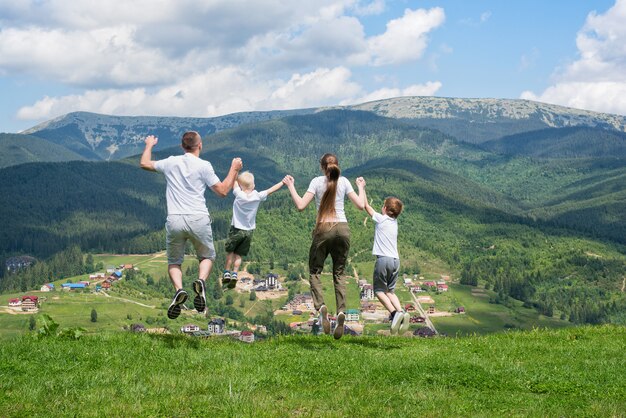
x=89, y=267
x=253, y=295
x=229, y=300
x=32, y=323
x=94, y=315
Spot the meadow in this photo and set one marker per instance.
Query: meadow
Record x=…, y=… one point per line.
x=559, y=372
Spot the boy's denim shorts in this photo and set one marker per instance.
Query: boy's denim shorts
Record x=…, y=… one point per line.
x=195, y=228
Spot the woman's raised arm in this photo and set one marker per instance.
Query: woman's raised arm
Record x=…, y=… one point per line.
x=358, y=200
x=300, y=202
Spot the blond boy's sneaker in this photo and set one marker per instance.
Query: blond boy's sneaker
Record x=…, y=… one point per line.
x=339, y=328
x=324, y=319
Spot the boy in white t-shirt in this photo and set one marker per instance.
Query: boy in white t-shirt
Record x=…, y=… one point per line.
x=387, y=260
x=245, y=206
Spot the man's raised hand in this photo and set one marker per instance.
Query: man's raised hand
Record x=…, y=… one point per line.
x=237, y=164
x=151, y=140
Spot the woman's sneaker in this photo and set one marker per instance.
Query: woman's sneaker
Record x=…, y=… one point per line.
x=233, y=280
x=396, y=322
x=199, y=302
x=324, y=319
x=406, y=321
x=225, y=278
x=339, y=328
x=174, y=309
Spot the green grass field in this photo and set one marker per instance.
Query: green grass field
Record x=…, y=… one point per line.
x=567, y=372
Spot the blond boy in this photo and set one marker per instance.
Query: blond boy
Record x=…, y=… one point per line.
x=245, y=207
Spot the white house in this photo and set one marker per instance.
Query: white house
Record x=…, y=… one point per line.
x=246, y=336
x=47, y=287
x=216, y=326
x=367, y=292
x=190, y=328
x=352, y=315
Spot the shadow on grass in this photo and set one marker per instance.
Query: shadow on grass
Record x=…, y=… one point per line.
x=177, y=340
x=322, y=342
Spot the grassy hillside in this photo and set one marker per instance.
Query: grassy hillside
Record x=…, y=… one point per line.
x=573, y=372
x=18, y=149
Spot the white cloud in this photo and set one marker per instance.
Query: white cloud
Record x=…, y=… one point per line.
x=597, y=79
x=217, y=91
x=405, y=38
x=203, y=57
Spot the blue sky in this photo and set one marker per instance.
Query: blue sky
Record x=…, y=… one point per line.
x=208, y=58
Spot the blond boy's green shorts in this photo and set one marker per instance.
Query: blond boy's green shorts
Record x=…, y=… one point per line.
x=238, y=241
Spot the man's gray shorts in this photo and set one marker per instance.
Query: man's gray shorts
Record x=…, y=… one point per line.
x=197, y=229
x=386, y=274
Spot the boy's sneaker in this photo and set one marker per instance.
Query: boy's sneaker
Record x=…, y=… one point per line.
x=233, y=280
x=396, y=322
x=174, y=309
x=406, y=321
x=199, y=302
x=225, y=278
x=324, y=319
x=339, y=328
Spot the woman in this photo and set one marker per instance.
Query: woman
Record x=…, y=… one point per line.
x=331, y=234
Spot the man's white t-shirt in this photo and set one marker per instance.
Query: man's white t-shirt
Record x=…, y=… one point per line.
x=318, y=186
x=245, y=207
x=385, y=236
x=187, y=178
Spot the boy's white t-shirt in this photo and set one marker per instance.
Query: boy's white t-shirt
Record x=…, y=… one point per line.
x=245, y=207
x=385, y=236
x=318, y=187
x=187, y=178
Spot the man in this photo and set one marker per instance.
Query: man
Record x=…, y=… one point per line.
x=187, y=178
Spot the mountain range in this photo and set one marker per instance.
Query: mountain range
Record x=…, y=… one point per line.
x=104, y=137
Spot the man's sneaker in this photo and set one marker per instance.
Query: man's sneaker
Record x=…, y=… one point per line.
x=406, y=321
x=396, y=322
x=199, y=302
x=174, y=309
x=233, y=280
x=339, y=328
x=226, y=278
x=324, y=319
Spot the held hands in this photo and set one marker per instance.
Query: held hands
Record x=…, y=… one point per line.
x=237, y=164
x=151, y=141
x=288, y=181
x=360, y=182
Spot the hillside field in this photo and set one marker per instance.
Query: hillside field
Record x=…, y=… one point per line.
x=568, y=372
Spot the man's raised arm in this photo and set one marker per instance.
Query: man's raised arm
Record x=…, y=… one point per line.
x=146, y=158
x=222, y=188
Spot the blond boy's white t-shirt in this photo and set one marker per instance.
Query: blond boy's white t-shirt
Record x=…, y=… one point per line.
x=319, y=185
x=245, y=208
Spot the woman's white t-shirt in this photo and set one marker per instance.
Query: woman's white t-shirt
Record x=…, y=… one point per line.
x=318, y=186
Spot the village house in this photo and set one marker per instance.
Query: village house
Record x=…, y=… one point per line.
x=460, y=309
x=15, y=302
x=300, y=302
x=417, y=320
x=216, y=326
x=138, y=328
x=352, y=315
x=442, y=288
x=106, y=285
x=367, y=292
x=189, y=328
x=30, y=303
x=429, y=283
x=73, y=286
x=110, y=269
x=96, y=276
x=408, y=281
x=247, y=336
x=47, y=287
x=126, y=266
x=409, y=307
